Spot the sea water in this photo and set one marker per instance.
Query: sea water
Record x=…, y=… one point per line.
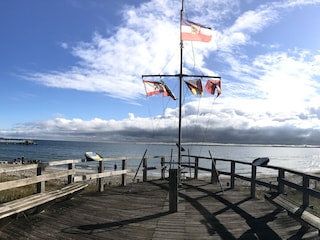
x=306, y=159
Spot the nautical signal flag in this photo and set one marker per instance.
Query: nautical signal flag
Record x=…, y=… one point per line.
x=191, y=31
x=153, y=88
x=213, y=85
x=195, y=86
x=168, y=91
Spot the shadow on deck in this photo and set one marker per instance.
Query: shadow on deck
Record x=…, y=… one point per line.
x=204, y=212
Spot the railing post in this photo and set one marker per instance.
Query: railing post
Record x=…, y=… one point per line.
x=280, y=182
x=145, y=166
x=233, y=171
x=100, y=180
x=173, y=190
x=214, y=173
x=163, y=170
x=305, y=195
x=123, y=176
x=41, y=186
x=196, y=167
x=253, y=180
x=70, y=177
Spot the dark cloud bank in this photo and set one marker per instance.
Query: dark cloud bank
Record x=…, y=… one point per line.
x=269, y=135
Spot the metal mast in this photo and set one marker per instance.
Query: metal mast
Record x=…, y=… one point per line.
x=180, y=93
x=181, y=76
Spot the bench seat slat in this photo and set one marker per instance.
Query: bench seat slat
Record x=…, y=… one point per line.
x=306, y=214
x=38, y=196
x=29, y=202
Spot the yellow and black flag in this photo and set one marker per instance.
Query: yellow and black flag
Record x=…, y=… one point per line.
x=195, y=86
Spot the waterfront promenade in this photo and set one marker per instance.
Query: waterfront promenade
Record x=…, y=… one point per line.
x=142, y=212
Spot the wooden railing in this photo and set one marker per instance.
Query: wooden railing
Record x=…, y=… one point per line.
x=304, y=187
x=40, y=176
x=308, y=186
x=14, y=203
x=39, y=173
x=161, y=166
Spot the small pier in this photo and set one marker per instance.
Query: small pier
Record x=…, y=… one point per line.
x=142, y=212
x=17, y=141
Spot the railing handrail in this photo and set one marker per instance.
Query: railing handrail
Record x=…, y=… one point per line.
x=193, y=163
x=292, y=171
x=281, y=178
x=314, y=177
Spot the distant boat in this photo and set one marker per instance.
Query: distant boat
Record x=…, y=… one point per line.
x=92, y=156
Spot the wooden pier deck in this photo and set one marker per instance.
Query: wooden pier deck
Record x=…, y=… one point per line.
x=204, y=212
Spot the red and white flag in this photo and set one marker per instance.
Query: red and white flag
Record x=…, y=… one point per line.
x=191, y=31
x=153, y=88
x=213, y=85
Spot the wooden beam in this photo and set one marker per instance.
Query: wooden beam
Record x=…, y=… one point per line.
x=32, y=180
x=99, y=175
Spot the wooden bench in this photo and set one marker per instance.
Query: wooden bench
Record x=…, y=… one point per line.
x=39, y=199
x=305, y=215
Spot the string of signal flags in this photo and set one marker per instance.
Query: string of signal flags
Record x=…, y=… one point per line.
x=195, y=86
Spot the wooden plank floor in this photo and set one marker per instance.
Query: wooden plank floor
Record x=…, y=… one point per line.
x=204, y=212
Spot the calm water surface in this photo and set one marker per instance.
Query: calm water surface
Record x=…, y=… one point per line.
x=298, y=158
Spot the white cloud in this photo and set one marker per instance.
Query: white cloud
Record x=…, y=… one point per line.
x=288, y=81
x=137, y=47
x=143, y=44
x=64, y=45
x=263, y=91
x=297, y=3
x=211, y=120
x=254, y=21
x=131, y=116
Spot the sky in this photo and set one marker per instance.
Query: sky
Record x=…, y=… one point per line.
x=72, y=70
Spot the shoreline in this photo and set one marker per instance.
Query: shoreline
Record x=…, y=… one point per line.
x=266, y=177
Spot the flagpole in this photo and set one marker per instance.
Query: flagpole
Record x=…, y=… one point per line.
x=180, y=96
x=181, y=76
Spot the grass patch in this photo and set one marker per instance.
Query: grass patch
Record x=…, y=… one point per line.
x=20, y=192
x=16, y=193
